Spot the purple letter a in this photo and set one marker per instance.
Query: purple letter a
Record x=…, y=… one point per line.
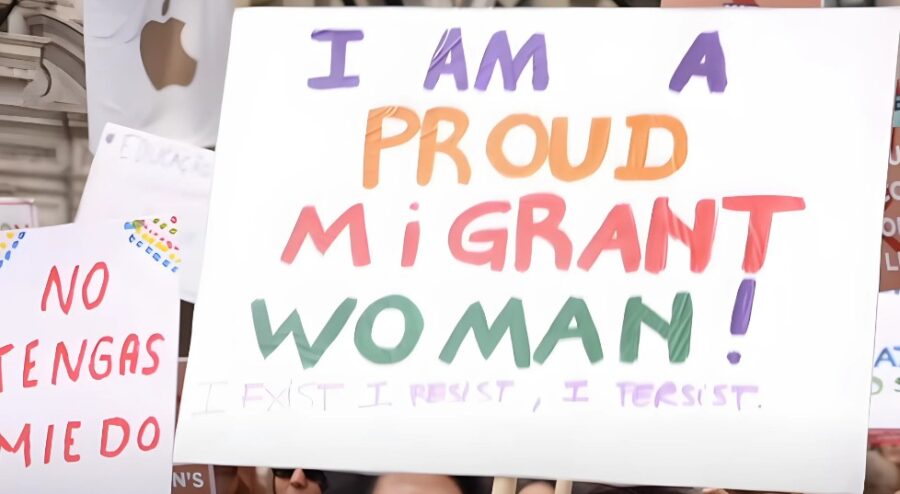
x=449, y=58
x=704, y=58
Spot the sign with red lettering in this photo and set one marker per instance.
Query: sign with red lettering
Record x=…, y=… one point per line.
x=88, y=353
x=446, y=233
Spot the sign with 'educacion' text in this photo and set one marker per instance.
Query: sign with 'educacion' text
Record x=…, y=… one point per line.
x=137, y=174
x=478, y=243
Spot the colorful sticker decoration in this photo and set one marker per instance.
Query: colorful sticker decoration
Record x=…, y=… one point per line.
x=9, y=242
x=156, y=238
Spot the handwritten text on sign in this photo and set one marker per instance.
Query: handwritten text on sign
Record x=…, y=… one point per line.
x=82, y=357
x=538, y=216
x=137, y=174
x=495, y=239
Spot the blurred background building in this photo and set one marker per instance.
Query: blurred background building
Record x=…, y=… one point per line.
x=43, y=115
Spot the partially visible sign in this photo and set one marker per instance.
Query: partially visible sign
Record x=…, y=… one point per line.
x=879, y=437
x=890, y=240
x=88, y=344
x=17, y=214
x=885, y=405
x=193, y=479
x=136, y=174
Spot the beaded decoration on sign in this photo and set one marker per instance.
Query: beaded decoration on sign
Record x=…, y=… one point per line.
x=156, y=238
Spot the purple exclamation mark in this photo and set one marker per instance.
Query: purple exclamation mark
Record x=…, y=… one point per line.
x=740, y=316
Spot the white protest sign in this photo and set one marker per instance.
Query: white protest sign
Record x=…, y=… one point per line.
x=136, y=174
x=88, y=350
x=16, y=213
x=419, y=261
x=885, y=412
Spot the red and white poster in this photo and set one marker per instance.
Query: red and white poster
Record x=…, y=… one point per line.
x=88, y=352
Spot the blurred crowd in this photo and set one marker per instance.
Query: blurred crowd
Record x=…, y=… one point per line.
x=882, y=477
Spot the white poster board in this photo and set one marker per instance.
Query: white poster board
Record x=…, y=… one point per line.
x=89, y=349
x=885, y=412
x=335, y=334
x=136, y=174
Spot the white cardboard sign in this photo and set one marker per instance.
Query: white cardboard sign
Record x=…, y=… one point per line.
x=419, y=261
x=885, y=413
x=88, y=350
x=136, y=174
